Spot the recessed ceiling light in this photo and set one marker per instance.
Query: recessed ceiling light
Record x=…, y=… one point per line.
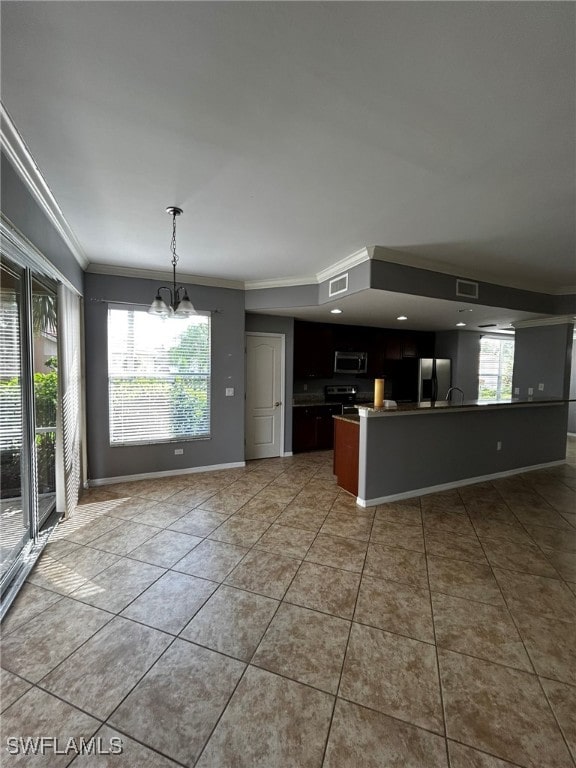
x=465, y=310
x=335, y=311
x=460, y=324
x=402, y=317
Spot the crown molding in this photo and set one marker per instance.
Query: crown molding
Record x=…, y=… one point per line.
x=25, y=166
x=358, y=257
x=538, y=321
x=155, y=274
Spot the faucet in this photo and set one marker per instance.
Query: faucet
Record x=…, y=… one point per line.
x=457, y=389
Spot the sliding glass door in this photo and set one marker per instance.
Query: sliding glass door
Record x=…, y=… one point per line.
x=28, y=405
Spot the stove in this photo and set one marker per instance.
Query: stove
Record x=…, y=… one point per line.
x=341, y=393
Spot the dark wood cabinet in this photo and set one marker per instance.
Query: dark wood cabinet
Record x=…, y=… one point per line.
x=313, y=350
x=313, y=427
x=346, y=454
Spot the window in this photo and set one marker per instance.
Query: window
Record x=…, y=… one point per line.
x=158, y=377
x=495, y=370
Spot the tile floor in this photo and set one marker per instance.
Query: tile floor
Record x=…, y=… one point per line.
x=257, y=618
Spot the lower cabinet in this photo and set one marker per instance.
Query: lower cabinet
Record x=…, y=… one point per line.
x=313, y=427
x=346, y=449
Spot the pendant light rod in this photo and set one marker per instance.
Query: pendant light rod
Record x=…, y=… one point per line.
x=178, y=307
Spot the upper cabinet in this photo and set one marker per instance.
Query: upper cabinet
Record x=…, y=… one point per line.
x=316, y=343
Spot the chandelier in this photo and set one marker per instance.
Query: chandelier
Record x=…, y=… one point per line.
x=178, y=307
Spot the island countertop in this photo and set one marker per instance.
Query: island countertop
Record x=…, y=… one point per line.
x=441, y=406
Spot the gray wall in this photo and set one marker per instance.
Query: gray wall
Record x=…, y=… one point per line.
x=226, y=444
x=463, y=348
x=407, y=453
x=23, y=211
x=285, y=325
x=543, y=354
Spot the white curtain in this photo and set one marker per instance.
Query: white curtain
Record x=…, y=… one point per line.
x=71, y=412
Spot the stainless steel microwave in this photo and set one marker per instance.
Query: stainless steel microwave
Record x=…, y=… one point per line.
x=350, y=362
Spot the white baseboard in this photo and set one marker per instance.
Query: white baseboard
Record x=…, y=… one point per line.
x=164, y=473
x=571, y=434
x=286, y=453
x=456, y=484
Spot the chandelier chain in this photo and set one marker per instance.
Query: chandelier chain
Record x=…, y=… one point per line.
x=173, y=243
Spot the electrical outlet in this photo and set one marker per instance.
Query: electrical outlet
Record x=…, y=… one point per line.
x=499, y=445
x=229, y=391
x=516, y=390
x=178, y=451
x=530, y=390
x=305, y=387
x=541, y=387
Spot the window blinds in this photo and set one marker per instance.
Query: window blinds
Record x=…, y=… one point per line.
x=158, y=377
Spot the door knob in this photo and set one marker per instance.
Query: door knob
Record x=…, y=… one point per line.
x=277, y=404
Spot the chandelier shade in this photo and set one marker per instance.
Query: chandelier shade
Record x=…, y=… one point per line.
x=180, y=304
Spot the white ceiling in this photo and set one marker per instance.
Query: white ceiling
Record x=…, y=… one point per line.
x=295, y=133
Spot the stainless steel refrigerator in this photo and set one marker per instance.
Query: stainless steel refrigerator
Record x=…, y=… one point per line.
x=434, y=378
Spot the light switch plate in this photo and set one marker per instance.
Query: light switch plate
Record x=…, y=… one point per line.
x=229, y=391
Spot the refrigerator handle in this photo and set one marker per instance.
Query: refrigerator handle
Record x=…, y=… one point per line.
x=434, y=381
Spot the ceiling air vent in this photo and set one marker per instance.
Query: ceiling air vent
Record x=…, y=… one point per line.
x=338, y=285
x=466, y=289
x=488, y=325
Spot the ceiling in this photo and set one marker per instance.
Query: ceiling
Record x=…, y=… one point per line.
x=294, y=134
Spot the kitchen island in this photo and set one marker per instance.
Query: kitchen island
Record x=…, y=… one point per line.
x=419, y=448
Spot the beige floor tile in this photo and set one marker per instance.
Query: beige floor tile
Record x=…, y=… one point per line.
x=84, y=529
x=466, y=757
x=30, y=602
x=281, y=496
x=241, y=531
x=462, y=579
x=549, y=518
x=551, y=538
x=396, y=564
x=494, y=529
x=232, y=621
x=165, y=548
x=98, y=675
x=37, y=713
x=35, y=648
x=189, y=498
x=563, y=562
x=551, y=644
x=455, y=547
x=170, y=602
x=124, y=538
x=133, y=755
x=286, y=540
x=227, y=501
x=66, y=571
x=176, y=705
x=395, y=607
x=395, y=675
x=536, y=594
x=562, y=699
x=302, y=517
x=477, y=629
x=304, y=645
x=132, y=507
x=118, y=585
x=406, y=512
x=211, y=560
x=330, y=590
x=397, y=535
x=11, y=688
x=362, y=737
x=449, y=501
x=347, y=525
x=260, y=509
x=266, y=573
x=524, y=558
x=161, y=516
x=199, y=522
x=501, y=711
x=287, y=726
x=441, y=521
x=338, y=552
x=160, y=490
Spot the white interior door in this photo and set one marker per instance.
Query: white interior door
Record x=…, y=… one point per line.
x=264, y=395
